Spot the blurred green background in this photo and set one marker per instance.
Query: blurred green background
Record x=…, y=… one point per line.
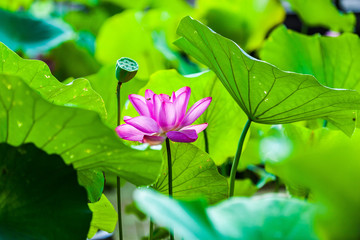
x=84, y=38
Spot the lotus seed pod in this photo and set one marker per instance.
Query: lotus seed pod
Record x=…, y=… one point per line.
x=126, y=69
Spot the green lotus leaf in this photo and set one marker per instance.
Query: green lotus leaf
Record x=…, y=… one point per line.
x=77, y=135
x=90, y=3
x=93, y=181
x=221, y=130
x=194, y=174
x=317, y=55
x=131, y=40
x=267, y=94
x=14, y=5
x=268, y=217
x=284, y=142
x=39, y=196
x=244, y=188
x=23, y=32
x=175, y=58
x=37, y=75
x=171, y=6
x=104, y=216
x=79, y=92
x=330, y=162
x=288, y=142
x=71, y=59
x=89, y=21
x=323, y=13
x=244, y=21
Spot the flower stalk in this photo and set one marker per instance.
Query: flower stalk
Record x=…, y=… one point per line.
x=118, y=182
x=206, y=142
x=168, y=153
x=237, y=157
x=325, y=123
x=151, y=229
x=125, y=70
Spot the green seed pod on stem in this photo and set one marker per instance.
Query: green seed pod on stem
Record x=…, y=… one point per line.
x=126, y=69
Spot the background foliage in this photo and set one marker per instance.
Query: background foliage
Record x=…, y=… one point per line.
x=59, y=152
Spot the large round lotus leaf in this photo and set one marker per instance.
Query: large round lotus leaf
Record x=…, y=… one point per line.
x=326, y=163
x=78, y=135
x=20, y=31
x=40, y=197
x=245, y=21
x=94, y=182
x=104, y=216
x=320, y=56
x=270, y=217
x=124, y=35
x=14, y=5
x=265, y=93
x=323, y=13
x=38, y=76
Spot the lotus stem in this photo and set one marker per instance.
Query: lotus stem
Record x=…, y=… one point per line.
x=118, y=190
x=168, y=151
x=325, y=123
x=206, y=142
x=151, y=229
x=237, y=157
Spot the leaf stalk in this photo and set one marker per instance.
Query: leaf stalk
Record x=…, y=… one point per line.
x=237, y=157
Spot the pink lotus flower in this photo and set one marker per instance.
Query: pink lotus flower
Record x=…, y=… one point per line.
x=163, y=116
